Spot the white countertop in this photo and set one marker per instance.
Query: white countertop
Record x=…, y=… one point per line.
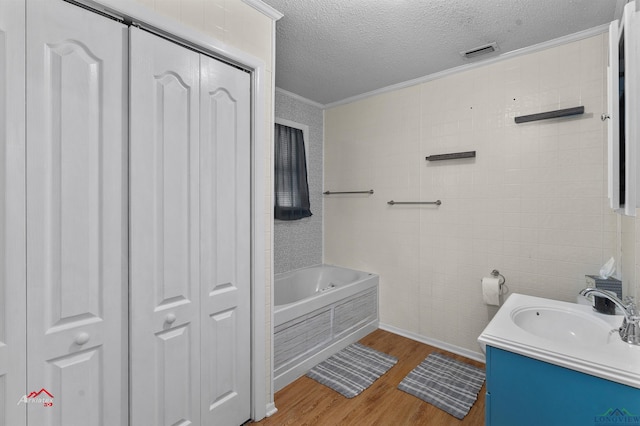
x=615, y=360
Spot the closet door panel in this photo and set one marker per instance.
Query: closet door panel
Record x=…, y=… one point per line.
x=76, y=215
x=78, y=367
x=72, y=163
x=165, y=307
x=12, y=214
x=225, y=242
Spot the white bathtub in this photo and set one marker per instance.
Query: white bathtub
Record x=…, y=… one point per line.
x=318, y=311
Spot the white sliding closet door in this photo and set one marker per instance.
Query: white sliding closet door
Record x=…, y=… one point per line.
x=225, y=207
x=76, y=215
x=12, y=215
x=165, y=260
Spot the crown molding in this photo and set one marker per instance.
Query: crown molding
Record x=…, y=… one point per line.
x=300, y=98
x=264, y=8
x=504, y=56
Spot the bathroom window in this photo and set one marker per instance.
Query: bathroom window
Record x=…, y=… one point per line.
x=290, y=174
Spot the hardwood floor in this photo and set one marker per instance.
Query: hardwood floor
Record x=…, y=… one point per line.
x=306, y=402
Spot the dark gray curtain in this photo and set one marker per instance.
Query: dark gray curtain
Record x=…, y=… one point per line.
x=291, y=186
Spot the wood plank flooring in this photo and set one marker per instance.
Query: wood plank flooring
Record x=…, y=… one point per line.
x=306, y=402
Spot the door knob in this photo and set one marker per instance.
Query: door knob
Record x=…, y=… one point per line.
x=170, y=318
x=81, y=338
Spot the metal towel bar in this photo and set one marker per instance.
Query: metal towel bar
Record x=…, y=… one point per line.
x=437, y=202
x=348, y=192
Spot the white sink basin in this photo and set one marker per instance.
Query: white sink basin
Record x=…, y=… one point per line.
x=566, y=334
x=563, y=325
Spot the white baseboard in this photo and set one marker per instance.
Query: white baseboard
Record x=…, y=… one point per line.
x=477, y=356
x=271, y=409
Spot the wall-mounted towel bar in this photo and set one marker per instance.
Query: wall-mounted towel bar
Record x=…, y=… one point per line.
x=550, y=114
x=348, y=192
x=452, y=156
x=437, y=202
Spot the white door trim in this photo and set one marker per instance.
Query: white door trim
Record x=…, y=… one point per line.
x=141, y=15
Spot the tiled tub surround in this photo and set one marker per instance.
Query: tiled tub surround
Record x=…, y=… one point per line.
x=532, y=204
x=320, y=323
x=298, y=243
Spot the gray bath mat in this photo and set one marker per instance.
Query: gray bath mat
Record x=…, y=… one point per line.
x=352, y=370
x=448, y=384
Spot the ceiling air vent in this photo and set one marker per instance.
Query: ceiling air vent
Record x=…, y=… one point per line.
x=478, y=51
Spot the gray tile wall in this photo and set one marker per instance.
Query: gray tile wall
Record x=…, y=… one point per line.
x=298, y=243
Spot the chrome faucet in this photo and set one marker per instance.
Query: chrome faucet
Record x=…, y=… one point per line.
x=630, y=329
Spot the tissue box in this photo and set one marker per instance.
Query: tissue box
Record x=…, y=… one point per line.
x=610, y=284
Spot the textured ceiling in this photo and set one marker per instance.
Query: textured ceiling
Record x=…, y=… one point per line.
x=330, y=50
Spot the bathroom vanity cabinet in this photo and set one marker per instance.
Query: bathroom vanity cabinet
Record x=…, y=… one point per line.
x=524, y=391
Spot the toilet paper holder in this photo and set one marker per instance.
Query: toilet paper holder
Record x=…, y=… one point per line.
x=502, y=283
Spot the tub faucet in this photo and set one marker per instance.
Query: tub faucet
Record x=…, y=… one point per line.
x=630, y=329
